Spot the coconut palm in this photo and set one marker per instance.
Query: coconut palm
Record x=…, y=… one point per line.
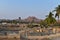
x=50, y=19
x=57, y=10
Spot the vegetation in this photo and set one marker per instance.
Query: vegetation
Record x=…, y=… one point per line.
x=57, y=10
x=43, y=24
x=50, y=19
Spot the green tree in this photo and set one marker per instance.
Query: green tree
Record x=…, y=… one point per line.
x=57, y=10
x=50, y=19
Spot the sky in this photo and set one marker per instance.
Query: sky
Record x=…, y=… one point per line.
x=12, y=9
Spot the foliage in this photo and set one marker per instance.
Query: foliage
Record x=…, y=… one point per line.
x=50, y=19
x=57, y=10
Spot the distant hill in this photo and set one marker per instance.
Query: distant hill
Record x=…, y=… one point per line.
x=32, y=19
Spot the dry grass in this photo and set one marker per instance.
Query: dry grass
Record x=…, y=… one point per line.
x=9, y=39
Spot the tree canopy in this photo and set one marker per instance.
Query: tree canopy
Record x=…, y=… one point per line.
x=50, y=19
x=57, y=10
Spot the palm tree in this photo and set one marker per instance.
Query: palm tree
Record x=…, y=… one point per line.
x=50, y=19
x=57, y=10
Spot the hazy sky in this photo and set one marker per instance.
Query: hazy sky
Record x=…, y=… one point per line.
x=11, y=9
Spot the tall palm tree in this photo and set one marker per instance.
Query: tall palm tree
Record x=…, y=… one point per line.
x=57, y=10
x=50, y=19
